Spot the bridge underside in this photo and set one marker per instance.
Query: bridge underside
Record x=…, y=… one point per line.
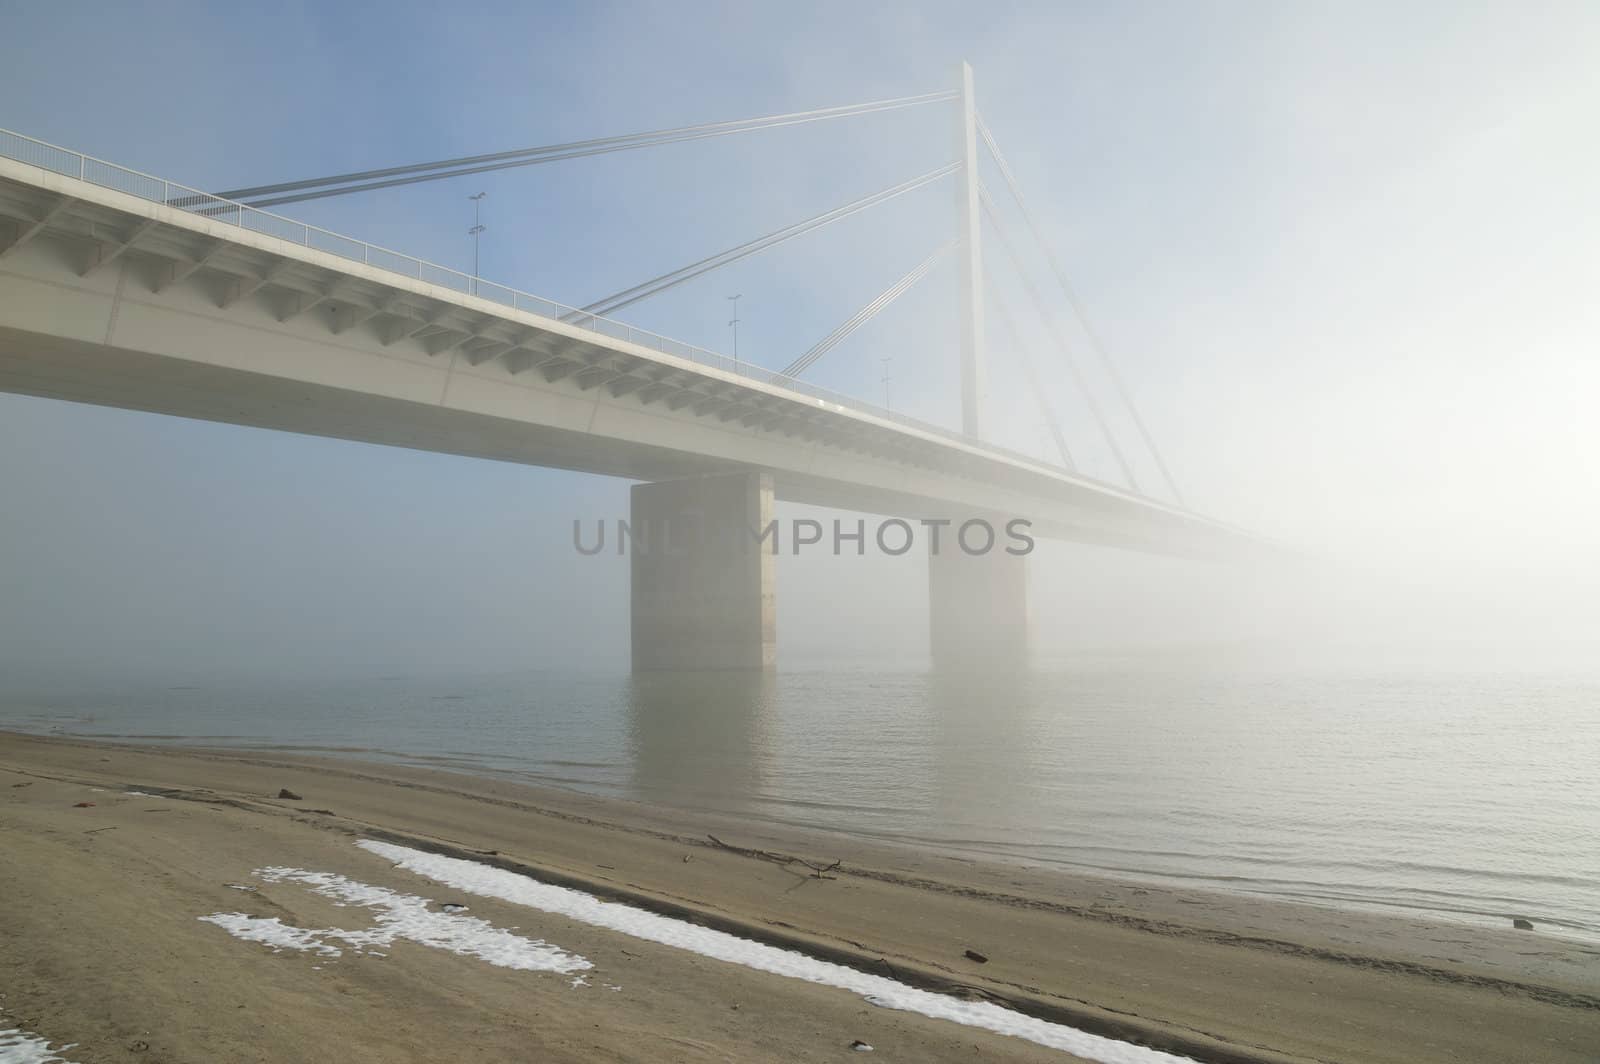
x=78, y=370
x=60, y=368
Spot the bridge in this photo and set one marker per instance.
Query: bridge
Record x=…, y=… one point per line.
x=128, y=290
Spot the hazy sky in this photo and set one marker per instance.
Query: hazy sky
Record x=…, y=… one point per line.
x=1346, y=257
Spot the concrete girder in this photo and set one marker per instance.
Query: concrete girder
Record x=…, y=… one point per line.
x=652, y=383
x=413, y=327
x=763, y=411
x=707, y=405
x=683, y=398
x=803, y=425
x=719, y=394
x=515, y=347
x=525, y=358
x=483, y=349
x=531, y=356
x=654, y=392
x=179, y=271
x=105, y=252
x=299, y=302
x=623, y=385
x=439, y=345
x=750, y=407
x=668, y=384
x=351, y=316
x=27, y=229
x=244, y=287
x=816, y=427
x=762, y=415
x=575, y=356
x=606, y=370
x=445, y=340
x=558, y=368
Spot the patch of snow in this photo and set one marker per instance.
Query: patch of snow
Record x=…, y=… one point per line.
x=474, y=878
x=398, y=916
x=19, y=1047
x=271, y=931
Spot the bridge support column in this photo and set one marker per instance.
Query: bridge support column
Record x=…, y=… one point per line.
x=703, y=580
x=977, y=610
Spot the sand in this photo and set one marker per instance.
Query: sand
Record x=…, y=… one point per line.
x=102, y=945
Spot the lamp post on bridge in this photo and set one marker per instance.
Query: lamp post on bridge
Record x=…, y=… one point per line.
x=734, y=324
x=475, y=232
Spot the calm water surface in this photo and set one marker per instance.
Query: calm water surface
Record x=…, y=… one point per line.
x=1476, y=796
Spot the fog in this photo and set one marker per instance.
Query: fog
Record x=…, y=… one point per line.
x=1346, y=259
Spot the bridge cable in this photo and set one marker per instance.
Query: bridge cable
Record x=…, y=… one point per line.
x=1078, y=309
x=1061, y=341
x=672, y=279
x=1032, y=371
x=294, y=191
x=866, y=313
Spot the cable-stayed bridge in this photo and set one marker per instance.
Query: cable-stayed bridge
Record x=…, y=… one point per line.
x=125, y=289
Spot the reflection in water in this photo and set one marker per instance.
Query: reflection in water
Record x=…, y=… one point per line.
x=950, y=750
x=699, y=738
x=982, y=737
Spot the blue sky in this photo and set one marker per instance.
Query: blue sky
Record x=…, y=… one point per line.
x=1344, y=256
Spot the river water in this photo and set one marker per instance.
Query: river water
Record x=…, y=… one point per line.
x=1466, y=795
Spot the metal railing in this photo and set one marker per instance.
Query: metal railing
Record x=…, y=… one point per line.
x=86, y=168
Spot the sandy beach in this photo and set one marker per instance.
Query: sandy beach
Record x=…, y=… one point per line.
x=113, y=854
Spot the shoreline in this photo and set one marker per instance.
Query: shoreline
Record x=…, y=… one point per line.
x=997, y=853
x=1226, y=976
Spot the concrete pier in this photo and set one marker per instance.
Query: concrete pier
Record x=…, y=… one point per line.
x=703, y=586
x=977, y=610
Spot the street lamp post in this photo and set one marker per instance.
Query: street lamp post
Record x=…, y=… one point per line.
x=475, y=232
x=734, y=324
x=887, y=405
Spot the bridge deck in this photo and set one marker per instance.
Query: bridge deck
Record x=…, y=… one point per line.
x=111, y=294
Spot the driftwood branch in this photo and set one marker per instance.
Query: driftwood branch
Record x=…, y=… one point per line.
x=818, y=871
